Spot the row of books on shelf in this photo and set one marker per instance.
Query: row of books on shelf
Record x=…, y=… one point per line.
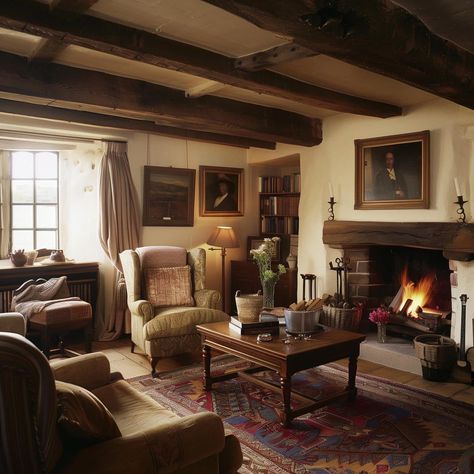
x=279, y=225
x=280, y=205
x=279, y=184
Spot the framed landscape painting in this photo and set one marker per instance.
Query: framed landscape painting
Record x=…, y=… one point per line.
x=168, y=196
x=393, y=172
x=221, y=191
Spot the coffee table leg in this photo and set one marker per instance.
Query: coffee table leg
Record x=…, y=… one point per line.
x=285, y=383
x=351, y=386
x=206, y=359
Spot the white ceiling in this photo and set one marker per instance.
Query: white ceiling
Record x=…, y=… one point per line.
x=201, y=24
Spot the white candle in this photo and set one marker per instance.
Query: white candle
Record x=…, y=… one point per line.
x=331, y=191
x=458, y=189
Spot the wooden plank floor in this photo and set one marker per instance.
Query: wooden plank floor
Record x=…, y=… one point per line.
x=133, y=365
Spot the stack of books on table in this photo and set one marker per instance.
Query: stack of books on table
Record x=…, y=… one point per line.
x=271, y=326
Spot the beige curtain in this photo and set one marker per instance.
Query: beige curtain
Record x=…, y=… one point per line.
x=119, y=227
x=5, y=186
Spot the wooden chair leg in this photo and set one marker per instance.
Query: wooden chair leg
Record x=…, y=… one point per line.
x=154, y=362
x=88, y=338
x=132, y=348
x=45, y=343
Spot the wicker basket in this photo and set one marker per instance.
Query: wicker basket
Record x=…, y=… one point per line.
x=348, y=319
x=437, y=355
x=248, y=306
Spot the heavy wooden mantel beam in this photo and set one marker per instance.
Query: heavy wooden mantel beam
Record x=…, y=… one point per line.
x=373, y=34
x=34, y=18
x=98, y=92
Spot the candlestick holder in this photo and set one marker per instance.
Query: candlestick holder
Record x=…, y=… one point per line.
x=331, y=203
x=460, y=210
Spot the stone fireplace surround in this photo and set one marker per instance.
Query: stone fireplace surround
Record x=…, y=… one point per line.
x=455, y=241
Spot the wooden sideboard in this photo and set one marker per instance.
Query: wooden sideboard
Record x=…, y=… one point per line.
x=244, y=277
x=82, y=278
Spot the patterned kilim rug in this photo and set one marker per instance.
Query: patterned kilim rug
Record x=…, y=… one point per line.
x=390, y=428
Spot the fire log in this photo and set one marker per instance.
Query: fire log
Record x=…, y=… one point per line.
x=407, y=304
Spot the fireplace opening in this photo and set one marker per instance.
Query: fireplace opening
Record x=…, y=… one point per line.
x=414, y=282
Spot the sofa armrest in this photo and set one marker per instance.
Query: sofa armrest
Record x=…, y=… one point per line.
x=142, y=308
x=166, y=448
x=208, y=299
x=13, y=322
x=89, y=370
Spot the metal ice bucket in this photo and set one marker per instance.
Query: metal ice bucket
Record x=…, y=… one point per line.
x=302, y=322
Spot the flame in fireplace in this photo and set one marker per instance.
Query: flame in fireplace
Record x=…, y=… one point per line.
x=419, y=293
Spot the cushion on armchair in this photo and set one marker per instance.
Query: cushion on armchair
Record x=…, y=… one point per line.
x=82, y=416
x=169, y=286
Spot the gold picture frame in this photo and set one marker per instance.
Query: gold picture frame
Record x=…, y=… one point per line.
x=221, y=191
x=393, y=172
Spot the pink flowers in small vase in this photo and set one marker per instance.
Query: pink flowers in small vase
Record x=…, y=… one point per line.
x=379, y=315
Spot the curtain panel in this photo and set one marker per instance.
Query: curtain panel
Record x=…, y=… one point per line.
x=119, y=228
x=5, y=211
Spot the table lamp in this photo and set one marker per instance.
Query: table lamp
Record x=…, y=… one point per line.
x=223, y=237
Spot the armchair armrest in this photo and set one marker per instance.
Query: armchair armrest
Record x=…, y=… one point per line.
x=89, y=370
x=143, y=308
x=208, y=299
x=165, y=448
x=13, y=322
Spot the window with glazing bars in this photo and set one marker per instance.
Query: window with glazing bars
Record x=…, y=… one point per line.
x=34, y=200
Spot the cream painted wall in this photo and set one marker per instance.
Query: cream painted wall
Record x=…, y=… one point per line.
x=333, y=161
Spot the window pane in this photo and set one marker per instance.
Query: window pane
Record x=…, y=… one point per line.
x=46, y=217
x=22, y=191
x=46, y=165
x=46, y=191
x=46, y=239
x=22, y=239
x=22, y=217
x=22, y=164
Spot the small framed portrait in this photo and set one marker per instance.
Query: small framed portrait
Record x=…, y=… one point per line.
x=393, y=172
x=254, y=242
x=168, y=196
x=221, y=191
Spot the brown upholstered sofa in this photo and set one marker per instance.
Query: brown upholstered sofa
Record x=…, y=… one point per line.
x=153, y=440
x=167, y=331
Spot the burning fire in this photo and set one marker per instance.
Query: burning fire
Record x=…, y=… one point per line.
x=419, y=293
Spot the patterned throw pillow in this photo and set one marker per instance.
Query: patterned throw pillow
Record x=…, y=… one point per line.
x=169, y=286
x=82, y=416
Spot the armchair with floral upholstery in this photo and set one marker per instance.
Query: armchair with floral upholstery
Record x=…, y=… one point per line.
x=167, y=330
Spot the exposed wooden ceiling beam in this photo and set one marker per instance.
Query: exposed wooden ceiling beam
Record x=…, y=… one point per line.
x=101, y=35
x=272, y=57
x=50, y=48
x=373, y=34
x=204, y=88
x=94, y=91
x=110, y=121
x=72, y=6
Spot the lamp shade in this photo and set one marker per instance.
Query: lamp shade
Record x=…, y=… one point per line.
x=223, y=236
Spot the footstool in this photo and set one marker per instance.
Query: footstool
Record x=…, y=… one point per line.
x=60, y=318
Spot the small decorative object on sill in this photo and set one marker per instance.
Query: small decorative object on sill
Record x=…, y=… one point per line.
x=18, y=258
x=331, y=203
x=248, y=306
x=291, y=260
x=338, y=311
x=57, y=256
x=31, y=257
x=268, y=278
x=380, y=317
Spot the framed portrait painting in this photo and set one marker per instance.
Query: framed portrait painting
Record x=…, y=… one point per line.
x=168, y=196
x=393, y=172
x=221, y=191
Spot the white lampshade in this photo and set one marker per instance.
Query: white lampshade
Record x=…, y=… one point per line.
x=223, y=236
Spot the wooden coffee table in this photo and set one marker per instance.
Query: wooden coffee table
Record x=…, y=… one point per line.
x=286, y=359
